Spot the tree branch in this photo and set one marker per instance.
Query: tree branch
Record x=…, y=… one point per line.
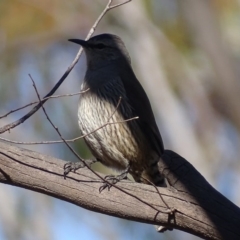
x=197, y=207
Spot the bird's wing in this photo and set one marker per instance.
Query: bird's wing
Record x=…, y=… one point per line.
x=142, y=108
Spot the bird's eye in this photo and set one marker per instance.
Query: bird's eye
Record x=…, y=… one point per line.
x=100, y=46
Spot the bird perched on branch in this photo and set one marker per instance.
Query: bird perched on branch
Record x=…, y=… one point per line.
x=116, y=104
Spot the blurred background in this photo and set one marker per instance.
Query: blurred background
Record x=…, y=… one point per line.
x=186, y=54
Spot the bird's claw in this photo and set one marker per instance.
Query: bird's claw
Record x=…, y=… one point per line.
x=111, y=180
x=72, y=167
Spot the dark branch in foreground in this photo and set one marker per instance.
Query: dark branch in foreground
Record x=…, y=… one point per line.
x=197, y=207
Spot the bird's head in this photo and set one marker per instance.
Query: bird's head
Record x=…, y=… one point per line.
x=102, y=49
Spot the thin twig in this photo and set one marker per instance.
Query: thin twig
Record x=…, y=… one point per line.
x=77, y=138
x=160, y=195
x=119, y=4
x=36, y=108
x=68, y=140
x=116, y=108
x=51, y=97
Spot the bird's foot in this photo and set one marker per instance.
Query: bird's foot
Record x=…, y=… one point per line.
x=112, y=180
x=74, y=166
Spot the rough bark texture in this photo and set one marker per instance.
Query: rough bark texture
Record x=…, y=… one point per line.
x=198, y=208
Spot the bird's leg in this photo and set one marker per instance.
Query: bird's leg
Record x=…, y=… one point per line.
x=114, y=179
x=74, y=166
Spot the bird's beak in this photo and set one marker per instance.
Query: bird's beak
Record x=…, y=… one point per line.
x=81, y=42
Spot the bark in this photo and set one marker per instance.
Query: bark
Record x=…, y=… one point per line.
x=196, y=207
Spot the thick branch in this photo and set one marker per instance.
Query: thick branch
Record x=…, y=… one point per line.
x=199, y=208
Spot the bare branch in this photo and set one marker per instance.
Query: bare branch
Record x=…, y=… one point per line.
x=36, y=108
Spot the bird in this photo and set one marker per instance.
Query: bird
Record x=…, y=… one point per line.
x=116, y=117
x=129, y=140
